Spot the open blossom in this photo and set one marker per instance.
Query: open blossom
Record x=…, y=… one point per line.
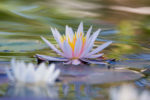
x=76, y=46
x=21, y=72
x=128, y=92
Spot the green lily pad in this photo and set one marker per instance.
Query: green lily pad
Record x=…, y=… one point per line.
x=97, y=74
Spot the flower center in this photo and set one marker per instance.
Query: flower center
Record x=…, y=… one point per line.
x=73, y=41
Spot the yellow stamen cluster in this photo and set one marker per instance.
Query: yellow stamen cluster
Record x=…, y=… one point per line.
x=73, y=41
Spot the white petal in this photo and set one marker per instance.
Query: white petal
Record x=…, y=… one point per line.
x=80, y=28
x=93, y=38
x=67, y=50
x=57, y=36
x=76, y=62
x=78, y=47
x=30, y=74
x=13, y=63
x=49, y=58
x=53, y=74
x=40, y=72
x=94, y=56
x=23, y=69
x=68, y=33
x=49, y=72
x=54, y=77
x=88, y=33
x=71, y=32
x=101, y=47
x=18, y=70
x=10, y=75
x=51, y=68
x=52, y=46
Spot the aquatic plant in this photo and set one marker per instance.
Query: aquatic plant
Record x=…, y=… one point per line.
x=21, y=72
x=76, y=47
x=128, y=92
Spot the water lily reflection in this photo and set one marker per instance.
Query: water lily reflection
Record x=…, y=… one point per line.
x=76, y=47
x=44, y=91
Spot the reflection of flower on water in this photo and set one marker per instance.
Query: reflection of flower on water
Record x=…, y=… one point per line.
x=28, y=74
x=21, y=90
x=128, y=92
x=76, y=47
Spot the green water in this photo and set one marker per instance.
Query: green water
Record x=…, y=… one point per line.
x=22, y=22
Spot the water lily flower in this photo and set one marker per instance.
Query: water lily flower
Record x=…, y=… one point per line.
x=76, y=47
x=20, y=72
x=128, y=92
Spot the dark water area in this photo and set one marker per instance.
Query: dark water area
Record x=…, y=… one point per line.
x=125, y=22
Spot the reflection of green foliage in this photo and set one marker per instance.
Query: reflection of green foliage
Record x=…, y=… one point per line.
x=145, y=26
x=126, y=38
x=126, y=28
x=3, y=89
x=126, y=32
x=121, y=49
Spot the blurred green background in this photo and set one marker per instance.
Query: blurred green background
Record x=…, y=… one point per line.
x=125, y=22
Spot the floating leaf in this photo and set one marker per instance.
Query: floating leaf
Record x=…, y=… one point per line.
x=96, y=74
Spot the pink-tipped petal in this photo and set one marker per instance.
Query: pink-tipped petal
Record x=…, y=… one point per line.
x=86, y=48
x=80, y=28
x=76, y=62
x=101, y=47
x=78, y=47
x=67, y=50
x=90, y=42
x=52, y=46
x=94, y=56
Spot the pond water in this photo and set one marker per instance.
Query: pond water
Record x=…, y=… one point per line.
x=125, y=22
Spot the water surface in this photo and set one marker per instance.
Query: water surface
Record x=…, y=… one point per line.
x=124, y=22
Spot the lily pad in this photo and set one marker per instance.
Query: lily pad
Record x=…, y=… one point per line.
x=97, y=74
x=138, y=64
